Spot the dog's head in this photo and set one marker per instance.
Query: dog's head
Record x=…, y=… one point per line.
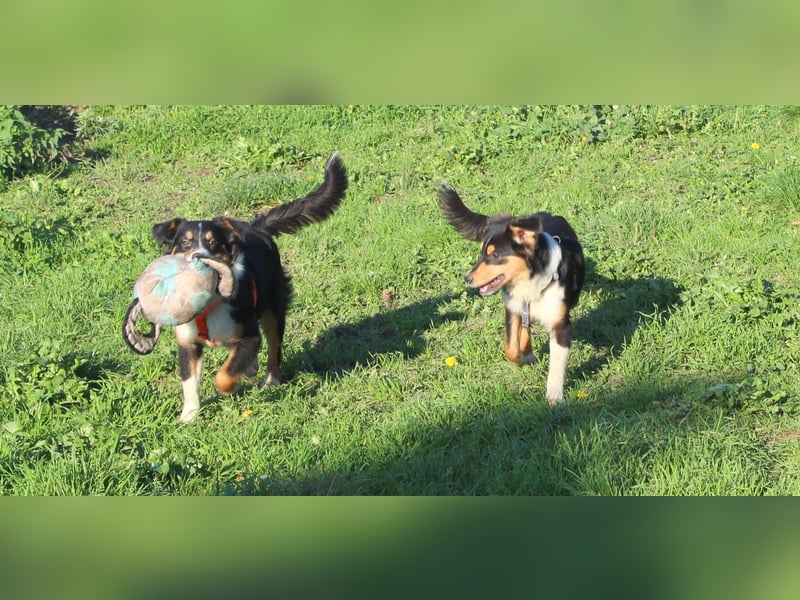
x=508, y=244
x=506, y=254
x=218, y=239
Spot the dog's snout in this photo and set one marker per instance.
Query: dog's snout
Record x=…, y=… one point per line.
x=199, y=254
x=468, y=278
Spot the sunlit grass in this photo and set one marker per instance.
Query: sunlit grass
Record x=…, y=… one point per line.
x=683, y=375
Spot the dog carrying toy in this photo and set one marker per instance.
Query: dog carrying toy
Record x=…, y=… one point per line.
x=173, y=290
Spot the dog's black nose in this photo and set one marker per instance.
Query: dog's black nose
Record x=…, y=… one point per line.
x=468, y=278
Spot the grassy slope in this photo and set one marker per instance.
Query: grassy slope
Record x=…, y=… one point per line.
x=683, y=377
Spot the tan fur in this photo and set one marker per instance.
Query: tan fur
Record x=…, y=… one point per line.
x=512, y=345
x=523, y=237
x=517, y=347
x=225, y=382
x=514, y=268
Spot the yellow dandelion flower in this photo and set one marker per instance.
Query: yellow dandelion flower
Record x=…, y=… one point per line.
x=755, y=145
x=450, y=361
x=584, y=138
x=246, y=413
x=582, y=394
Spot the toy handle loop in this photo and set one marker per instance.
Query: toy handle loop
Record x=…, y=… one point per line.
x=141, y=343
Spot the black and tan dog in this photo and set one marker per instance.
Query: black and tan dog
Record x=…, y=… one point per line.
x=261, y=288
x=538, y=264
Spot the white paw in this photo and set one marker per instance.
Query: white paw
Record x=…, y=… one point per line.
x=270, y=380
x=187, y=416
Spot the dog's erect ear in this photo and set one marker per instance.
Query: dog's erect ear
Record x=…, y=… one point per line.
x=534, y=223
x=524, y=233
x=473, y=226
x=164, y=233
x=232, y=229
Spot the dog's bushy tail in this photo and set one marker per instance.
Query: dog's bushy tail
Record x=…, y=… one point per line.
x=468, y=223
x=317, y=206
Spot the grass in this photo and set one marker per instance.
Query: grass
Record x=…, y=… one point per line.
x=683, y=377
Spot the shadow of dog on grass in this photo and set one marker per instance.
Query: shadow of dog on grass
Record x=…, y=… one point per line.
x=345, y=346
x=625, y=305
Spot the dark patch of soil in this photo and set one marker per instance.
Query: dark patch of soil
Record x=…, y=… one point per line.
x=52, y=117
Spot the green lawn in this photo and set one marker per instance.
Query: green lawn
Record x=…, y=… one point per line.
x=683, y=377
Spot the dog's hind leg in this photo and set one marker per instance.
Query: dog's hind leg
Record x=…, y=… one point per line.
x=273, y=326
x=239, y=361
x=560, y=343
x=190, y=358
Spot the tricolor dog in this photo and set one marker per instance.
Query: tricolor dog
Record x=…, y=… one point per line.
x=537, y=263
x=261, y=288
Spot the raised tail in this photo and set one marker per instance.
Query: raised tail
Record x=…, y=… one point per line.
x=317, y=206
x=471, y=225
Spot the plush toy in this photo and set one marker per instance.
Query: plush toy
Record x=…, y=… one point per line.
x=173, y=290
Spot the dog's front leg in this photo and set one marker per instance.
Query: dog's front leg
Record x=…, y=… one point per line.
x=518, y=340
x=526, y=356
x=560, y=343
x=190, y=358
x=513, y=322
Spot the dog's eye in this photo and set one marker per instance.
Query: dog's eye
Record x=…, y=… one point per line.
x=493, y=255
x=186, y=243
x=212, y=243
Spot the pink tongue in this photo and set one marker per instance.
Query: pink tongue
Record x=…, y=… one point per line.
x=490, y=287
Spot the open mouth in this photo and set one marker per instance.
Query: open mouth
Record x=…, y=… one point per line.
x=492, y=286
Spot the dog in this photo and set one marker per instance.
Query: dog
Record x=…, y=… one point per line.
x=261, y=290
x=538, y=264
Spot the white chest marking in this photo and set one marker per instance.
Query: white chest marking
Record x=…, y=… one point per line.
x=222, y=329
x=542, y=293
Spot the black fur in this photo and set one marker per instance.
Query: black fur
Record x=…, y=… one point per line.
x=261, y=292
x=518, y=256
x=317, y=206
x=473, y=226
x=571, y=269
